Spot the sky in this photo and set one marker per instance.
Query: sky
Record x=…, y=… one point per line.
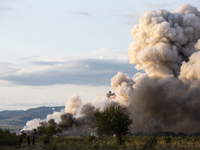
x=51, y=50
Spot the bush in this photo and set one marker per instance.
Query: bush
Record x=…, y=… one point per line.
x=46, y=139
x=90, y=138
x=167, y=139
x=52, y=146
x=105, y=146
x=7, y=138
x=150, y=142
x=50, y=130
x=95, y=146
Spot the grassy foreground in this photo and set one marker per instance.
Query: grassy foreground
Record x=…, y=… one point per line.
x=131, y=143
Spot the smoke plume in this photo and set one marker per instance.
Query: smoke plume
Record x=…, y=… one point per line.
x=75, y=120
x=164, y=98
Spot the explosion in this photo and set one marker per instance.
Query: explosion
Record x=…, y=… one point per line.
x=164, y=98
x=75, y=120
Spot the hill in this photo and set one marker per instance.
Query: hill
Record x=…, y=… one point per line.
x=18, y=118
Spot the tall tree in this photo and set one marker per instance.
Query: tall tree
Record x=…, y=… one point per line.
x=112, y=121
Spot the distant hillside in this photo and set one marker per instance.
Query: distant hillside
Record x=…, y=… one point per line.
x=17, y=118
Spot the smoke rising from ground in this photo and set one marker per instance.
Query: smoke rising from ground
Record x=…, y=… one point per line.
x=164, y=98
x=74, y=120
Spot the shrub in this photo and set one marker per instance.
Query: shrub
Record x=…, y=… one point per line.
x=7, y=138
x=50, y=130
x=167, y=139
x=134, y=147
x=90, y=138
x=52, y=146
x=95, y=146
x=46, y=139
x=105, y=146
x=150, y=142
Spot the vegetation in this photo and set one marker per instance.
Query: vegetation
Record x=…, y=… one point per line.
x=7, y=138
x=112, y=121
x=131, y=143
x=110, y=143
x=46, y=139
x=50, y=130
x=23, y=133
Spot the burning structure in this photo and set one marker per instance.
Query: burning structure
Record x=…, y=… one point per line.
x=164, y=98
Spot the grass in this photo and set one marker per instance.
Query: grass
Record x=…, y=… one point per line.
x=131, y=143
x=110, y=143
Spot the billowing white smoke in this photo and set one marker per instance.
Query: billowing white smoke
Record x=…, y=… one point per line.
x=190, y=70
x=166, y=46
x=165, y=98
x=73, y=104
x=163, y=40
x=32, y=124
x=77, y=116
x=55, y=116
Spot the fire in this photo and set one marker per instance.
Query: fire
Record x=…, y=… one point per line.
x=110, y=95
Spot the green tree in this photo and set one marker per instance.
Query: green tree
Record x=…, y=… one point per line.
x=112, y=121
x=50, y=130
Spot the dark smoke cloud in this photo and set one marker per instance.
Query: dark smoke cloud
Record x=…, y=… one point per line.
x=52, y=122
x=70, y=125
x=67, y=120
x=166, y=97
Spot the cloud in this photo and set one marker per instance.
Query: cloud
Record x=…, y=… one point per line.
x=80, y=13
x=7, y=68
x=8, y=8
x=46, y=71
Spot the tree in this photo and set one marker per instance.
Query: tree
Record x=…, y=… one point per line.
x=50, y=130
x=112, y=121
